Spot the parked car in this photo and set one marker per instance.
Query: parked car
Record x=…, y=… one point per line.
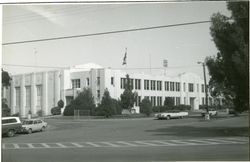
x=33, y=125
x=211, y=112
x=170, y=115
x=10, y=126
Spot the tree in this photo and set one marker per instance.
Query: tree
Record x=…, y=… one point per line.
x=169, y=102
x=84, y=101
x=60, y=104
x=5, y=79
x=5, y=108
x=128, y=98
x=106, y=108
x=146, y=107
x=229, y=69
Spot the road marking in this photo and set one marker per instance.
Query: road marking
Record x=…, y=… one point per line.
x=146, y=143
x=202, y=141
x=182, y=142
x=165, y=143
x=110, y=144
x=30, y=145
x=92, y=144
x=16, y=146
x=61, y=145
x=45, y=145
x=77, y=145
x=126, y=143
x=141, y=143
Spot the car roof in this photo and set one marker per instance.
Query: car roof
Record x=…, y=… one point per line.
x=3, y=118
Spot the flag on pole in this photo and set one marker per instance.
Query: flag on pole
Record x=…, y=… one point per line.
x=125, y=58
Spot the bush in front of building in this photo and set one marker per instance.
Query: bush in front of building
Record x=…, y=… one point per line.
x=106, y=108
x=146, y=107
x=68, y=111
x=40, y=113
x=60, y=104
x=117, y=106
x=5, y=108
x=56, y=111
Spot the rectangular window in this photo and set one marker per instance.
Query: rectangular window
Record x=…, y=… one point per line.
x=190, y=87
x=98, y=81
x=39, y=95
x=87, y=81
x=123, y=80
x=28, y=96
x=132, y=83
x=197, y=87
x=18, y=97
x=152, y=84
x=171, y=86
x=184, y=87
x=146, y=84
x=98, y=94
x=139, y=83
x=138, y=101
x=202, y=88
x=159, y=86
x=112, y=80
x=159, y=101
x=185, y=102
x=76, y=83
x=178, y=87
x=167, y=86
x=178, y=100
x=203, y=101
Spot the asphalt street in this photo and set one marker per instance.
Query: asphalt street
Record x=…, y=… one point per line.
x=143, y=139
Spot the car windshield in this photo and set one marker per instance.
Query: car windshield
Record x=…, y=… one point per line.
x=27, y=122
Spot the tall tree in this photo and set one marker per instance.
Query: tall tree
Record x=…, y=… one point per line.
x=5, y=79
x=146, y=107
x=229, y=69
x=106, y=107
x=128, y=97
x=84, y=101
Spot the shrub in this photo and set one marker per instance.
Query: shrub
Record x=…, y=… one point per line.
x=68, y=111
x=39, y=113
x=5, y=108
x=60, y=104
x=56, y=111
x=145, y=107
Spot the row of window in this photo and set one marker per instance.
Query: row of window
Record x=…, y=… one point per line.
x=28, y=96
x=148, y=85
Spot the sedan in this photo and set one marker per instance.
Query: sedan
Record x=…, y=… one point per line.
x=33, y=125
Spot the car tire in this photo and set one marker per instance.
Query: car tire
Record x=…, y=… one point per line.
x=43, y=129
x=11, y=133
x=30, y=131
x=168, y=117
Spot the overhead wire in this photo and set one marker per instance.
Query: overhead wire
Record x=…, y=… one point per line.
x=106, y=33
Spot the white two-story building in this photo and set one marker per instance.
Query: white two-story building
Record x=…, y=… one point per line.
x=42, y=90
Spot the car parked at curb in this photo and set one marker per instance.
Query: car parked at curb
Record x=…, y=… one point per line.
x=10, y=126
x=211, y=112
x=33, y=125
x=171, y=114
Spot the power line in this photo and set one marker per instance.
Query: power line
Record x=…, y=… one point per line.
x=106, y=33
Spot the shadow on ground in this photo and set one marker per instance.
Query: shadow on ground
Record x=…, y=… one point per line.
x=191, y=131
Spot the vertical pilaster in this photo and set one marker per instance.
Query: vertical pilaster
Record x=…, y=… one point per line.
x=57, y=87
x=13, y=97
x=33, y=94
x=44, y=94
x=22, y=96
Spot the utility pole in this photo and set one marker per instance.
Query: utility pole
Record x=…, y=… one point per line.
x=205, y=84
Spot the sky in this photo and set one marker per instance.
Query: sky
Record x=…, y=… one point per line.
x=182, y=46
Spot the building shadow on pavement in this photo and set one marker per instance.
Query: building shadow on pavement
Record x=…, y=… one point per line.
x=191, y=131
